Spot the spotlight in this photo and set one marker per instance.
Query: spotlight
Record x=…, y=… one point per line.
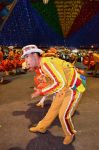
x=45, y=1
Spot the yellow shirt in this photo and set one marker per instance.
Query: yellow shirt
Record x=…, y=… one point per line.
x=62, y=74
x=96, y=57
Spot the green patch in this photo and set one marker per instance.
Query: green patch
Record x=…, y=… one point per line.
x=49, y=13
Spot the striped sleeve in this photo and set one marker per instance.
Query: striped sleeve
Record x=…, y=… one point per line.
x=56, y=77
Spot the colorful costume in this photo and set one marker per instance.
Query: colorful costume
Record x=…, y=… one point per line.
x=96, y=60
x=1, y=58
x=40, y=82
x=51, y=52
x=96, y=57
x=68, y=86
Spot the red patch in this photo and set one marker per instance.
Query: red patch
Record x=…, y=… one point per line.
x=78, y=82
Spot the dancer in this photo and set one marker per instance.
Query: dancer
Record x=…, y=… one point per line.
x=65, y=82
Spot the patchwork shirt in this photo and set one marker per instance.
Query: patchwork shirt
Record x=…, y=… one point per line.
x=62, y=74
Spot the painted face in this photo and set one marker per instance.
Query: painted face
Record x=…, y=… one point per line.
x=30, y=61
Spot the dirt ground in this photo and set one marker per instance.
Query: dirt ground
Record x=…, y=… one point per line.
x=18, y=112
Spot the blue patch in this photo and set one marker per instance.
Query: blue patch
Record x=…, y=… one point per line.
x=82, y=77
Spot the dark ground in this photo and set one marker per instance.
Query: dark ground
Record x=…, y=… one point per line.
x=18, y=112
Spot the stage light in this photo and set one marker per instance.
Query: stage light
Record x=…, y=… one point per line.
x=45, y=1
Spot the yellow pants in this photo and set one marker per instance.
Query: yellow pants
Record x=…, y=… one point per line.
x=63, y=105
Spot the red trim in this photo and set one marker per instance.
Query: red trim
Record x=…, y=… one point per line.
x=54, y=78
x=74, y=93
x=73, y=79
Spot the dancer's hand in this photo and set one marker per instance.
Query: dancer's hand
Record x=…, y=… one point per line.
x=35, y=88
x=36, y=93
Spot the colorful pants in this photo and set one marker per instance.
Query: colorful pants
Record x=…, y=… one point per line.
x=63, y=105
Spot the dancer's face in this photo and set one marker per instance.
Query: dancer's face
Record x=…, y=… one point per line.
x=30, y=61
